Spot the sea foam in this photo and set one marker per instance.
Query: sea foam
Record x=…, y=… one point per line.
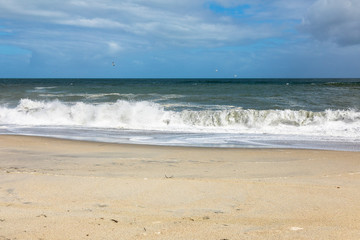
x=147, y=115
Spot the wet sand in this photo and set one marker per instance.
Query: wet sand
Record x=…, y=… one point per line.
x=61, y=189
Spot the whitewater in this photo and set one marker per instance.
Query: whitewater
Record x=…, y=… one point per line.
x=172, y=113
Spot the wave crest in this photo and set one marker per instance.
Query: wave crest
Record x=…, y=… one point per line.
x=152, y=116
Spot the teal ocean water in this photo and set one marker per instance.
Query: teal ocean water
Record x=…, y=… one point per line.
x=258, y=113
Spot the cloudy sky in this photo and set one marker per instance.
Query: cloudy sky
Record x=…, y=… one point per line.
x=179, y=38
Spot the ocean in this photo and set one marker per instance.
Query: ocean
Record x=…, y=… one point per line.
x=240, y=113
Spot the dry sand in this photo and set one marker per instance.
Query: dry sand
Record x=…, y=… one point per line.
x=60, y=189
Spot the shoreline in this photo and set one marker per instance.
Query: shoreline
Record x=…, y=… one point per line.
x=317, y=147
x=68, y=189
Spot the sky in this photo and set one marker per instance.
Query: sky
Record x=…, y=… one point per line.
x=179, y=38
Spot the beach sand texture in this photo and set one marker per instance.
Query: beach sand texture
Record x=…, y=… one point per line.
x=62, y=189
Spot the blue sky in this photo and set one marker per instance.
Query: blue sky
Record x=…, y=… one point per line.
x=188, y=38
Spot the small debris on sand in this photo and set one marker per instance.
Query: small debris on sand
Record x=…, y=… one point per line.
x=296, y=228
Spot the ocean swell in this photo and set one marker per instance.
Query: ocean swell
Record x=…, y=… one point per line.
x=146, y=115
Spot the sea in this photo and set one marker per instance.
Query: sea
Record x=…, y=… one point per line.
x=228, y=113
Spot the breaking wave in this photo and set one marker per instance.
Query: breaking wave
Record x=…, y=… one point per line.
x=146, y=115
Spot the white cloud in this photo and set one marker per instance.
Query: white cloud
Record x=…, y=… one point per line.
x=92, y=23
x=73, y=30
x=165, y=22
x=335, y=21
x=114, y=47
x=14, y=8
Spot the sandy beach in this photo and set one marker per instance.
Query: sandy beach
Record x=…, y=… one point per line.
x=62, y=189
